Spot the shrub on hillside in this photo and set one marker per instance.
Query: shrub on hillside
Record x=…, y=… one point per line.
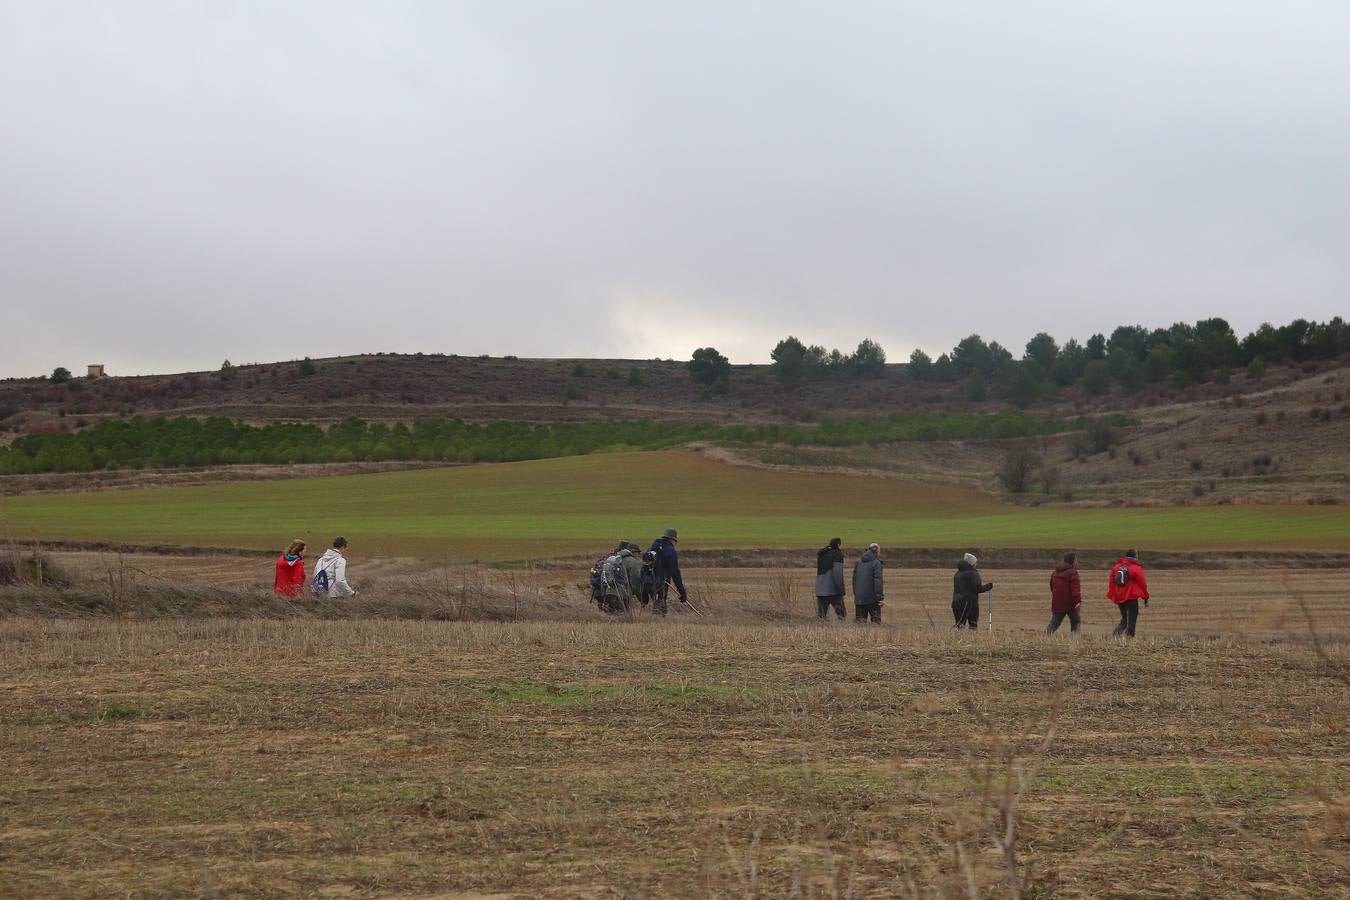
x=1102, y=435
x=707, y=366
x=1017, y=468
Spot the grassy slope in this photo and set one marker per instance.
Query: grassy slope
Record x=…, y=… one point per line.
x=518, y=510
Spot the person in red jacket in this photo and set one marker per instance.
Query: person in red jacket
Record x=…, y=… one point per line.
x=1066, y=596
x=290, y=571
x=1127, y=588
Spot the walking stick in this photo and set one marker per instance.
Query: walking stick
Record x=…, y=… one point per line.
x=991, y=610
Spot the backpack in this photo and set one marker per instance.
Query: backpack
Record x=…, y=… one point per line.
x=321, y=583
x=597, y=572
x=657, y=559
x=1121, y=576
x=611, y=573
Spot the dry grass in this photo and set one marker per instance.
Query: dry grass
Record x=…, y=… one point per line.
x=1244, y=599
x=369, y=758
x=216, y=751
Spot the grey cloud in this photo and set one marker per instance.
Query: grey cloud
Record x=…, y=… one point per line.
x=183, y=183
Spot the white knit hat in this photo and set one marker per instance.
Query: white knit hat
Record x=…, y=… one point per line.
x=970, y=558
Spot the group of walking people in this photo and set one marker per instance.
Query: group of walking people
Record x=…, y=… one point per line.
x=1126, y=587
x=628, y=578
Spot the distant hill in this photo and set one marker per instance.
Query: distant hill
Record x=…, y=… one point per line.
x=1279, y=438
x=480, y=389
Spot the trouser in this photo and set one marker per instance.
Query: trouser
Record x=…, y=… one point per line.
x=966, y=612
x=1057, y=618
x=1129, y=615
x=615, y=604
x=659, y=605
x=863, y=612
x=823, y=605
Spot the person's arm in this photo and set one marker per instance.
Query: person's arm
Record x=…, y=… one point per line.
x=675, y=577
x=1077, y=586
x=878, y=582
x=838, y=571
x=1143, y=584
x=298, y=575
x=340, y=585
x=981, y=588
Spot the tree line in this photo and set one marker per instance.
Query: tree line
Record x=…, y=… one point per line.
x=1130, y=358
x=160, y=442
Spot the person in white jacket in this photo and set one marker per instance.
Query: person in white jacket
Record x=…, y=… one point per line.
x=330, y=575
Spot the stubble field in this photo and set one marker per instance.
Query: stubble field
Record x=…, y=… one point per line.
x=226, y=758
x=171, y=729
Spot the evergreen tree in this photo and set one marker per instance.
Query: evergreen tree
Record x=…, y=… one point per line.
x=709, y=367
x=920, y=366
x=869, y=358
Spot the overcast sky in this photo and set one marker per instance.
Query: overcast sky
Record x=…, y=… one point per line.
x=182, y=183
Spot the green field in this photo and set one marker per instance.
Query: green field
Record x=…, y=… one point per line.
x=514, y=511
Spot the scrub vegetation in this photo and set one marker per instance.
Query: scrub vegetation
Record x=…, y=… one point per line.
x=189, y=442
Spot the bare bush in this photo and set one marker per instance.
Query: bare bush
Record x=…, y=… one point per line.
x=1049, y=477
x=1102, y=435
x=1017, y=468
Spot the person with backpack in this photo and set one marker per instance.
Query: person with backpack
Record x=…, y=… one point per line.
x=632, y=575
x=597, y=579
x=830, y=579
x=666, y=569
x=290, y=577
x=1128, y=586
x=966, y=590
x=647, y=591
x=869, y=591
x=621, y=576
x=330, y=574
x=1066, y=596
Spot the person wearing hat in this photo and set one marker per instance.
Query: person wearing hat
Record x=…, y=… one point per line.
x=1126, y=589
x=830, y=579
x=869, y=589
x=666, y=568
x=966, y=591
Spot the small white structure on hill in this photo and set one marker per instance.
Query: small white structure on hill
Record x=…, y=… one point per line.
x=96, y=370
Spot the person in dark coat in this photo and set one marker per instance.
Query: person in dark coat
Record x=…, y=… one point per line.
x=1066, y=596
x=966, y=591
x=869, y=593
x=830, y=579
x=666, y=568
